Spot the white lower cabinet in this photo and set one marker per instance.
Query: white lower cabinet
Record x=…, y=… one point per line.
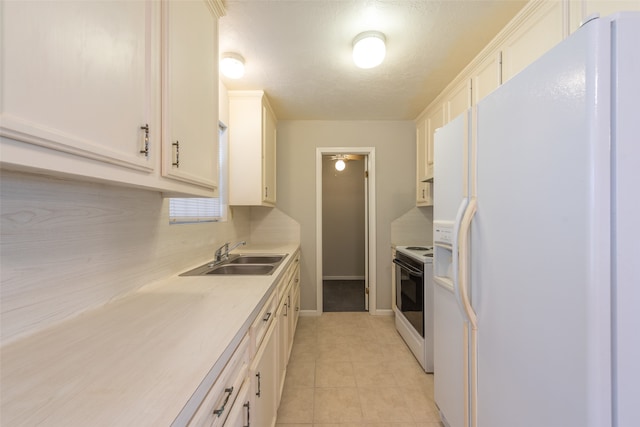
x=263, y=379
x=294, y=307
x=241, y=413
x=247, y=392
x=220, y=399
x=283, y=345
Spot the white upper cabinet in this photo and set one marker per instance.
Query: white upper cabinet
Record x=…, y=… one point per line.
x=77, y=78
x=539, y=32
x=423, y=188
x=252, y=149
x=580, y=10
x=486, y=77
x=269, y=150
x=459, y=100
x=100, y=90
x=190, y=93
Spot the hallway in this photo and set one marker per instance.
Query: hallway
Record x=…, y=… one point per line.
x=343, y=295
x=354, y=370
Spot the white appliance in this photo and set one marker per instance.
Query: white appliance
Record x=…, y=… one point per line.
x=414, y=301
x=537, y=235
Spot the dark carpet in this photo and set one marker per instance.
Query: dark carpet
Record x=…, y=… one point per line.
x=343, y=295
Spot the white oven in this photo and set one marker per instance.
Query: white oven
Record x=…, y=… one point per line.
x=414, y=300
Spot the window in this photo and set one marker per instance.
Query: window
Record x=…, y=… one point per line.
x=214, y=209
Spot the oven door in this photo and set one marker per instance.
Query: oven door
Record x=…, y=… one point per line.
x=410, y=294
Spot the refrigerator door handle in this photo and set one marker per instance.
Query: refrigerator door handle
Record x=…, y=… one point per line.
x=455, y=252
x=471, y=326
x=463, y=262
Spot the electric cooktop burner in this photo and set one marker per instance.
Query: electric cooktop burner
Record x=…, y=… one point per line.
x=421, y=253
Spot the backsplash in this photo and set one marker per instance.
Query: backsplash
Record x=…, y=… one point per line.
x=69, y=246
x=415, y=227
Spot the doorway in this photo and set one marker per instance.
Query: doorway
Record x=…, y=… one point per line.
x=344, y=236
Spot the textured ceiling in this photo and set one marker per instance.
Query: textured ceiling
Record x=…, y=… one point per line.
x=299, y=52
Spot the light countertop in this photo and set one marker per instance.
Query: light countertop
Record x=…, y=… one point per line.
x=136, y=361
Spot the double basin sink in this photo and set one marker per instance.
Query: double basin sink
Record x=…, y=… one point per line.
x=240, y=265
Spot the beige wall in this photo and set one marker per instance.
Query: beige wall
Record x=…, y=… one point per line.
x=343, y=219
x=395, y=167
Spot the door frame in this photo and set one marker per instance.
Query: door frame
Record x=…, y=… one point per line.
x=370, y=220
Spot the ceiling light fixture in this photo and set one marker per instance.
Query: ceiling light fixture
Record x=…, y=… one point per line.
x=232, y=65
x=369, y=49
x=340, y=165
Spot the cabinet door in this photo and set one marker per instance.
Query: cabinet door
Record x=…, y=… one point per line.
x=190, y=93
x=264, y=375
x=252, y=149
x=579, y=10
x=435, y=121
x=459, y=100
x=283, y=339
x=422, y=140
x=77, y=78
x=295, y=308
x=422, y=159
x=241, y=413
x=486, y=77
x=268, y=155
x=293, y=294
x=542, y=30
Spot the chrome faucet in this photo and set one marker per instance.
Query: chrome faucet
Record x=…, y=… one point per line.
x=222, y=253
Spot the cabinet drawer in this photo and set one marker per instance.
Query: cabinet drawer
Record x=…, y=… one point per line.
x=239, y=415
x=215, y=407
x=283, y=285
x=259, y=327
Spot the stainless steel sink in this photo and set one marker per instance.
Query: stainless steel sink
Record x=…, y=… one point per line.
x=240, y=265
x=257, y=259
x=243, y=269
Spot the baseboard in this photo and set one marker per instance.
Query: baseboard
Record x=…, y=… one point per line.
x=310, y=313
x=316, y=313
x=342, y=277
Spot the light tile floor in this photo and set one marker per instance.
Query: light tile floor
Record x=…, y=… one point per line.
x=354, y=370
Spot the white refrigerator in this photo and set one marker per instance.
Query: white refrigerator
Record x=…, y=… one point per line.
x=537, y=242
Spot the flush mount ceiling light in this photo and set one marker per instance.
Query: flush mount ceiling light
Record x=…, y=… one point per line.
x=232, y=65
x=341, y=160
x=369, y=49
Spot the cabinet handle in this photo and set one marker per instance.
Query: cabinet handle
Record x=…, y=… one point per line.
x=266, y=317
x=220, y=410
x=423, y=193
x=246, y=405
x=145, y=128
x=289, y=301
x=258, y=392
x=266, y=192
x=286, y=310
x=177, y=162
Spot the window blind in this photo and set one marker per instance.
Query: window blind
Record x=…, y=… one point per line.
x=190, y=210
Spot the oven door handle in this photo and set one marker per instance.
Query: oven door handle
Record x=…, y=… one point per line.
x=407, y=267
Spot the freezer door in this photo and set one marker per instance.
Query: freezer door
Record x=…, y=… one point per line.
x=540, y=241
x=626, y=205
x=451, y=165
